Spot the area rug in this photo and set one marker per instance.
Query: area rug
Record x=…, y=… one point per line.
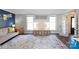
x=34, y=42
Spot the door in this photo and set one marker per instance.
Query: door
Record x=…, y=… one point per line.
x=73, y=23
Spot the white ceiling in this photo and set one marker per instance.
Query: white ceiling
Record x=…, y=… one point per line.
x=38, y=11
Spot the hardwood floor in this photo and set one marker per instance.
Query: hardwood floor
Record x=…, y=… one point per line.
x=65, y=40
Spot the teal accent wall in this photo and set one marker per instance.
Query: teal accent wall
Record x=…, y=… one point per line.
x=9, y=21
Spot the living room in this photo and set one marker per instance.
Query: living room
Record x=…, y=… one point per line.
x=38, y=28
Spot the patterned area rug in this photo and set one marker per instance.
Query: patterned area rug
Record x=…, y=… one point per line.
x=34, y=42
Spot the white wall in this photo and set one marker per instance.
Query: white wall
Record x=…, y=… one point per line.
x=62, y=25
x=59, y=23
x=21, y=21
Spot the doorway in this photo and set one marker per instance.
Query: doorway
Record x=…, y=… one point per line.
x=73, y=25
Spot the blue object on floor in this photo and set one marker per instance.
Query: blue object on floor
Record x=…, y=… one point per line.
x=73, y=44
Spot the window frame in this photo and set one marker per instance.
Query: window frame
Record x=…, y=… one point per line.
x=30, y=22
x=52, y=22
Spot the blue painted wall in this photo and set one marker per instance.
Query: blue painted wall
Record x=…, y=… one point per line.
x=9, y=21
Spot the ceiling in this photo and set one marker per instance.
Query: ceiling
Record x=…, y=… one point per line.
x=38, y=11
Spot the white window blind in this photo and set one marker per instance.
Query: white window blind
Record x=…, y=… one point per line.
x=29, y=22
x=52, y=23
x=31, y=25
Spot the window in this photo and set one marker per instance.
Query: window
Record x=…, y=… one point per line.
x=52, y=23
x=30, y=22
x=32, y=25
